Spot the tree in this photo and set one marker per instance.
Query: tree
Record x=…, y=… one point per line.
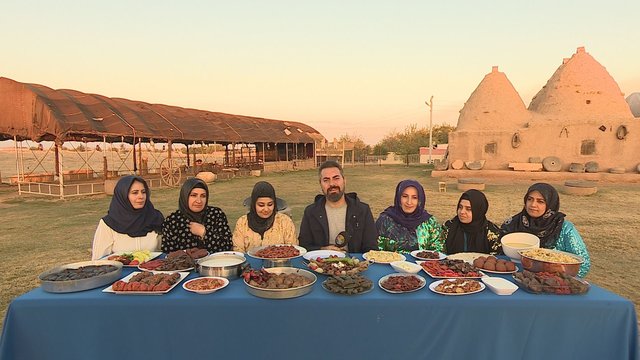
x=360, y=149
x=410, y=141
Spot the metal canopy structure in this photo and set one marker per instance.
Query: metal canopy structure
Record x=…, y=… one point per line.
x=38, y=113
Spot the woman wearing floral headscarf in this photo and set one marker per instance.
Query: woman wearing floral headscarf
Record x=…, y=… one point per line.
x=541, y=217
x=132, y=222
x=263, y=225
x=469, y=230
x=407, y=226
x=195, y=224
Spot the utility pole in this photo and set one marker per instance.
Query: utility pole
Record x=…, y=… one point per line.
x=430, y=105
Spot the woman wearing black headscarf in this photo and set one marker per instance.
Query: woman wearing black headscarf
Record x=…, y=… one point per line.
x=196, y=224
x=541, y=217
x=407, y=226
x=132, y=222
x=470, y=230
x=263, y=225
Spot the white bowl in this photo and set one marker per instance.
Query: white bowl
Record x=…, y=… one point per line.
x=517, y=241
x=500, y=285
x=406, y=267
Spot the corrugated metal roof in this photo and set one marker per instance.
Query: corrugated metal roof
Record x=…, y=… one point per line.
x=37, y=112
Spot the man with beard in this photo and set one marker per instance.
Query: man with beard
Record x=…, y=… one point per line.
x=336, y=215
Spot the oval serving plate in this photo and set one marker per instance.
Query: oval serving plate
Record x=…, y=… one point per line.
x=423, y=282
x=322, y=254
x=415, y=253
x=433, y=285
x=225, y=282
x=373, y=254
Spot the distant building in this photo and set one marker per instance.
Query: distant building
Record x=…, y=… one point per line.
x=580, y=115
x=437, y=153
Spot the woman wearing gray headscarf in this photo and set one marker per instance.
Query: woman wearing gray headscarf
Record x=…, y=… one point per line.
x=263, y=225
x=196, y=224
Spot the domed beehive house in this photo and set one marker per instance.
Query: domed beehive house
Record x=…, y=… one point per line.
x=579, y=116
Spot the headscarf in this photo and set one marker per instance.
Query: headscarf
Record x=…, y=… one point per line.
x=183, y=202
x=475, y=231
x=548, y=226
x=418, y=216
x=256, y=223
x=124, y=219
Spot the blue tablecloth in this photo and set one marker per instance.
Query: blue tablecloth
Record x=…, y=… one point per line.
x=233, y=324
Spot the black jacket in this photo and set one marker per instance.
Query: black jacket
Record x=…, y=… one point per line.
x=362, y=234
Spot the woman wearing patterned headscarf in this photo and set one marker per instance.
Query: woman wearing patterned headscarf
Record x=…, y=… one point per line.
x=263, y=225
x=132, y=222
x=470, y=230
x=541, y=217
x=196, y=224
x=407, y=226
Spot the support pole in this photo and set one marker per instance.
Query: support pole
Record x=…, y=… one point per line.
x=105, y=168
x=19, y=164
x=135, y=165
x=60, y=168
x=430, y=105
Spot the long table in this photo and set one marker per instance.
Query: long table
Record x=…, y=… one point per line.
x=232, y=324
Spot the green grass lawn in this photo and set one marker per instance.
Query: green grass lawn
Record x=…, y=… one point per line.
x=41, y=233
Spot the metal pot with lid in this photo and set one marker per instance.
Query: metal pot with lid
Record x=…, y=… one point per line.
x=226, y=265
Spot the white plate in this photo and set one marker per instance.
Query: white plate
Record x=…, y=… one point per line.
x=441, y=256
x=224, y=280
x=419, y=262
x=499, y=285
x=152, y=254
x=399, y=257
x=500, y=272
x=222, y=253
x=384, y=278
x=433, y=285
x=466, y=256
x=126, y=279
x=252, y=252
x=322, y=254
x=406, y=267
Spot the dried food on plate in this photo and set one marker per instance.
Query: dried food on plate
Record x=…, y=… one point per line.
x=146, y=283
x=178, y=262
x=428, y=255
x=450, y=269
x=205, y=285
x=194, y=253
x=383, y=257
x=82, y=272
x=267, y=280
x=80, y=276
x=281, y=251
x=401, y=283
x=550, y=283
x=348, y=284
x=279, y=282
x=492, y=264
x=456, y=286
x=134, y=258
x=334, y=265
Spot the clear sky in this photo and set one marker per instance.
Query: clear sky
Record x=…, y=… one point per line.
x=362, y=68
